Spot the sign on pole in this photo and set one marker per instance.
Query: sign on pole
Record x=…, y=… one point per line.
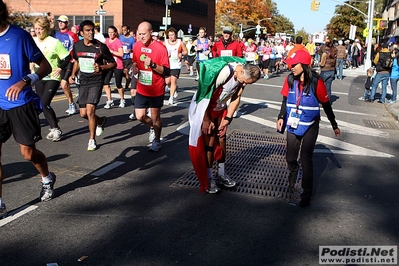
x=101, y=12
x=352, y=32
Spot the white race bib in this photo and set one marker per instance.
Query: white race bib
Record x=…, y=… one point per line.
x=250, y=56
x=226, y=53
x=86, y=65
x=145, y=77
x=5, y=66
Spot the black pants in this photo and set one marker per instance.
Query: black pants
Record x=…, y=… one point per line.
x=46, y=89
x=306, y=145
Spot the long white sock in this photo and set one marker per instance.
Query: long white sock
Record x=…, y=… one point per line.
x=1, y=201
x=221, y=169
x=210, y=175
x=46, y=179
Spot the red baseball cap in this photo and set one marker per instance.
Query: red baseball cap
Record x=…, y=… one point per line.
x=300, y=56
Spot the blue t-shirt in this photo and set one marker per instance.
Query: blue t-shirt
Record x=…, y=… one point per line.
x=128, y=42
x=17, y=49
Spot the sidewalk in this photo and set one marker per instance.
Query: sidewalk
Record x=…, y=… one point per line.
x=393, y=109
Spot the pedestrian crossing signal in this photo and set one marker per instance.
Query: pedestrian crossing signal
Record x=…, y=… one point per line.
x=383, y=24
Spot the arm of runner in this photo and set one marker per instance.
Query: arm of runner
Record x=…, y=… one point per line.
x=44, y=69
x=75, y=70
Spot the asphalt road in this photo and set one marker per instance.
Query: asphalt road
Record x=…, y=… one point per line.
x=117, y=205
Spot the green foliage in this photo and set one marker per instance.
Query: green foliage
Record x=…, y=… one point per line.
x=344, y=16
x=249, y=13
x=21, y=19
x=302, y=32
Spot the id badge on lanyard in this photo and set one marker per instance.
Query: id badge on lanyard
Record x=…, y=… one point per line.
x=295, y=114
x=294, y=118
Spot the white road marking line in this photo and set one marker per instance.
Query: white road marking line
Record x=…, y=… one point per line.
x=16, y=214
x=345, y=147
x=107, y=168
x=344, y=126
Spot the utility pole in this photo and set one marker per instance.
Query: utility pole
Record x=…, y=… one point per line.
x=370, y=17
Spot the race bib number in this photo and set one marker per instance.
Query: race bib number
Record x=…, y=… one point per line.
x=5, y=66
x=203, y=57
x=250, y=56
x=145, y=77
x=86, y=65
x=226, y=53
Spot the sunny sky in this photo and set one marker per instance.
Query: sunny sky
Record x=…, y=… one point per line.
x=298, y=11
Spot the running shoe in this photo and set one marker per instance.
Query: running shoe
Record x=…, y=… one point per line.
x=54, y=135
x=225, y=181
x=213, y=188
x=132, y=117
x=155, y=146
x=71, y=109
x=47, y=192
x=108, y=104
x=92, y=145
x=170, y=102
x=100, y=128
x=122, y=104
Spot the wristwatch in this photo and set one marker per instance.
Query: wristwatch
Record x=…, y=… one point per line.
x=153, y=65
x=27, y=80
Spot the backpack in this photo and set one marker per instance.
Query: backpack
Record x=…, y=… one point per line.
x=386, y=60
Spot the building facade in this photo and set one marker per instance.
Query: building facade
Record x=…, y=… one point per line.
x=198, y=13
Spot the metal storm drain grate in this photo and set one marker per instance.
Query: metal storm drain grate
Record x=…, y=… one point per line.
x=256, y=161
x=379, y=124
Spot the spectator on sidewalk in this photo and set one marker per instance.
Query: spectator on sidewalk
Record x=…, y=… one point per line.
x=341, y=56
x=394, y=76
x=368, y=84
x=383, y=68
x=327, y=64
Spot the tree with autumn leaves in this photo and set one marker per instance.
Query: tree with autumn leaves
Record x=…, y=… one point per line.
x=233, y=13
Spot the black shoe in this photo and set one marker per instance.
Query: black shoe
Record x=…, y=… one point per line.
x=304, y=202
x=368, y=100
x=380, y=102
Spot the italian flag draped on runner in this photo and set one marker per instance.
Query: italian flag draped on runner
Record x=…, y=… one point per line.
x=208, y=73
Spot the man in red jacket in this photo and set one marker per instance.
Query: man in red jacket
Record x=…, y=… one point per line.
x=226, y=46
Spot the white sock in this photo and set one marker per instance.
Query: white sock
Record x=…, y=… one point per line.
x=210, y=175
x=221, y=169
x=46, y=179
x=1, y=201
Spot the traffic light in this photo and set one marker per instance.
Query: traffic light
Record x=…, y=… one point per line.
x=383, y=24
x=101, y=3
x=316, y=5
x=313, y=5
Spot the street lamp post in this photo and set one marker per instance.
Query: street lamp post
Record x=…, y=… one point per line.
x=258, y=27
x=167, y=4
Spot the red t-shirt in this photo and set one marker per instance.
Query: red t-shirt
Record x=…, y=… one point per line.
x=149, y=82
x=321, y=91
